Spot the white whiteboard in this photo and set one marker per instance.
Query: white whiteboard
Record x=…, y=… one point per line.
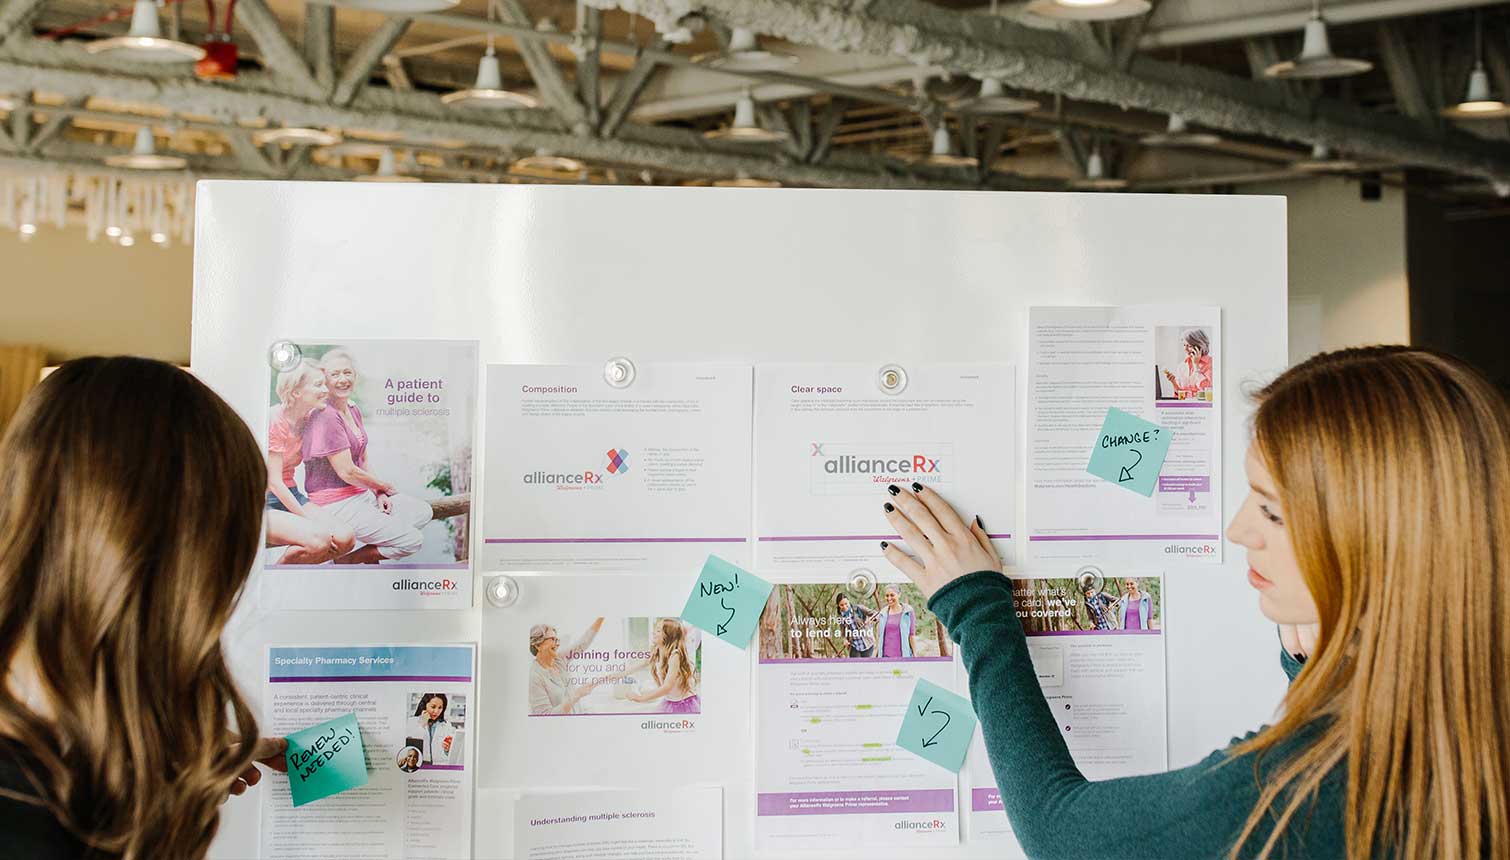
x=577, y=274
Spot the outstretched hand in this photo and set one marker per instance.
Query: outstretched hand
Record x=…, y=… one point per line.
x=944, y=548
x=269, y=752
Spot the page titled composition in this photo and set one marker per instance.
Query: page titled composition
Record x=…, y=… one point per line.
x=829, y=439
x=834, y=677
x=369, y=497
x=661, y=824
x=1097, y=644
x=581, y=474
x=596, y=681
x=413, y=706
x=1159, y=363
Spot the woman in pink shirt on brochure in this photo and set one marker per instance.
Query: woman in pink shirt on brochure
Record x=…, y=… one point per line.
x=1195, y=371
x=292, y=522
x=337, y=480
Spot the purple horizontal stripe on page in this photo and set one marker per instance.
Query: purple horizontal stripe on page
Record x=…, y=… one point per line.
x=1095, y=632
x=620, y=540
x=856, y=659
x=444, y=767
x=1123, y=537
x=854, y=802
x=1182, y=404
x=780, y=538
x=615, y=714
x=311, y=679
x=369, y=568
x=985, y=799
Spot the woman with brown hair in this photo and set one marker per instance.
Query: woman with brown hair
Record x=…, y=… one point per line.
x=1376, y=524
x=129, y=520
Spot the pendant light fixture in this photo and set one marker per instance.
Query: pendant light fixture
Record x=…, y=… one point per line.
x=144, y=42
x=387, y=171
x=1096, y=177
x=545, y=165
x=746, y=129
x=1089, y=10
x=1177, y=133
x=1316, y=59
x=1478, y=103
x=745, y=180
x=7, y=103
x=1322, y=161
x=487, y=90
x=943, y=154
x=292, y=135
x=144, y=155
x=393, y=6
x=744, y=54
x=993, y=100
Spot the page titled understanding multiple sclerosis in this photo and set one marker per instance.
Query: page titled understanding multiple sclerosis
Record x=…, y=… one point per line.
x=659, y=824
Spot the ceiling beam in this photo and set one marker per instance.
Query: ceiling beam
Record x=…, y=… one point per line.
x=420, y=120
x=1046, y=61
x=543, y=68
x=16, y=15
x=1167, y=33
x=278, y=53
x=1404, y=79
x=320, y=43
x=629, y=89
x=359, y=66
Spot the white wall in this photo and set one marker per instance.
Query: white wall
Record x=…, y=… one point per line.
x=1347, y=265
x=75, y=297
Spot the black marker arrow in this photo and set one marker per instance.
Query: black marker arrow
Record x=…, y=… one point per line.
x=1126, y=473
x=724, y=627
x=922, y=709
x=931, y=742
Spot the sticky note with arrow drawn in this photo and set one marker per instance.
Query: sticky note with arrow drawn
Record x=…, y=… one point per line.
x=938, y=726
x=726, y=601
x=1129, y=452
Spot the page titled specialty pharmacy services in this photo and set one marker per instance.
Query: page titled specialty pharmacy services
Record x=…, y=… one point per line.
x=413, y=706
x=1097, y=644
x=1159, y=363
x=829, y=439
x=834, y=677
x=582, y=474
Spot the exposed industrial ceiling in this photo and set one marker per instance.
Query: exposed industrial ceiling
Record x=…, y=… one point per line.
x=619, y=87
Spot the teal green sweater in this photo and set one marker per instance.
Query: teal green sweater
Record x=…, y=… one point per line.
x=1056, y=813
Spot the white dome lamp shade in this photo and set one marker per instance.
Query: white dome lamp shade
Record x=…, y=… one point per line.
x=745, y=180
x=1089, y=10
x=7, y=103
x=144, y=42
x=942, y=153
x=745, y=128
x=993, y=100
x=547, y=165
x=1477, y=103
x=1178, y=133
x=1322, y=161
x=488, y=90
x=387, y=171
x=295, y=135
x=393, y=6
x=1096, y=177
x=744, y=54
x=1316, y=59
x=144, y=155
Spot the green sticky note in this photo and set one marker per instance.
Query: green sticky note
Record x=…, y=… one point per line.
x=938, y=726
x=1129, y=452
x=726, y=601
x=326, y=759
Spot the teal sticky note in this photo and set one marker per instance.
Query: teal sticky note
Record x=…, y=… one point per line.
x=938, y=726
x=726, y=601
x=1129, y=452
x=326, y=759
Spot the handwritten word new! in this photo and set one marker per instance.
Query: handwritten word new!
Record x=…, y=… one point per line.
x=1144, y=436
x=710, y=589
x=315, y=756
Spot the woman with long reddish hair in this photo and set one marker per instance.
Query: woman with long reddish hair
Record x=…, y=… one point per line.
x=130, y=516
x=1377, y=533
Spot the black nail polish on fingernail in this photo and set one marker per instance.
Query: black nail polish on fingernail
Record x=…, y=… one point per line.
x=893, y=489
x=884, y=544
x=916, y=487
x=890, y=507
